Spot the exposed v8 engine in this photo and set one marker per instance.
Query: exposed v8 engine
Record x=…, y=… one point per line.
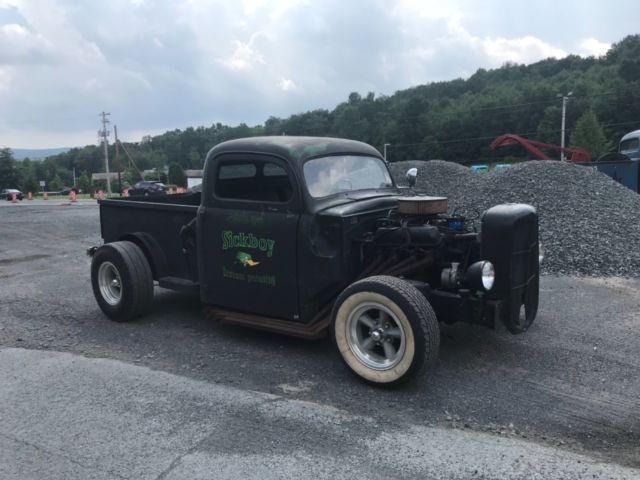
x=468, y=270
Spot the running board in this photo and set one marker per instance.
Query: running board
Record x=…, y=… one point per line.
x=179, y=284
x=314, y=330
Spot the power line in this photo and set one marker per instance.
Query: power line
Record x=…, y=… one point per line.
x=471, y=139
x=513, y=105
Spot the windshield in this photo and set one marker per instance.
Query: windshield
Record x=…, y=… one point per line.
x=629, y=145
x=328, y=175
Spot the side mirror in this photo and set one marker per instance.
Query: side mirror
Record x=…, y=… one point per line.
x=412, y=176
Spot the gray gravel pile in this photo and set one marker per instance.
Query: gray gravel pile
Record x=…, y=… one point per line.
x=589, y=224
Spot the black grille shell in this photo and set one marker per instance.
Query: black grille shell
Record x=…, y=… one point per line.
x=510, y=242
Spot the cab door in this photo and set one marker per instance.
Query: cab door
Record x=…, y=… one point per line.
x=247, y=232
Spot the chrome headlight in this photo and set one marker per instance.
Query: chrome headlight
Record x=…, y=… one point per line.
x=480, y=276
x=488, y=275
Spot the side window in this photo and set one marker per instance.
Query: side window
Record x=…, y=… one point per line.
x=273, y=170
x=259, y=181
x=237, y=170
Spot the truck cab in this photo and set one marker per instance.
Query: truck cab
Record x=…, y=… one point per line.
x=265, y=227
x=630, y=145
x=307, y=236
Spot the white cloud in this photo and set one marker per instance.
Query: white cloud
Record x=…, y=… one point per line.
x=5, y=78
x=520, y=50
x=286, y=84
x=274, y=9
x=436, y=10
x=168, y=64
x=20, y=46
x=244, y=57
x=593, y=47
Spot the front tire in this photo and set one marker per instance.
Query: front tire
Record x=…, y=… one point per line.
x=385, y=330
x=122, y=280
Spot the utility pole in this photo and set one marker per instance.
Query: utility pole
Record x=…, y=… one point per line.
x=565, y=99
x=115, y=140
x=104, y=133
x=384, y=155
x=140, y=174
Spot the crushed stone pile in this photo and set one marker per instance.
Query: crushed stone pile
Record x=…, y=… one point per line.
x=589, y=223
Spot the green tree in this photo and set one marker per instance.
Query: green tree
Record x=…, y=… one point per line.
x=27, y=172
x=55, y=184
x=9, y=174
x=84, y=182
x=176, y=175
x=548, y=129
x=195, y=159
x=348, y=121
x=590, y=135
x=160, y=160
x=30, y=184
x=130, y=176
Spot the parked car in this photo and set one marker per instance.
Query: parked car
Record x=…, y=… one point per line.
x=480, y=168
x=147, y=187
x=311, y=236
x=7, y=193
x=68, y=190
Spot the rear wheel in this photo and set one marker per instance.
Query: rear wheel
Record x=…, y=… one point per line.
x=385, y=330
x=122, y=280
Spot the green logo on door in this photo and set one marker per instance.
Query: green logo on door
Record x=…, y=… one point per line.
x=245, y=259
x=247, y=241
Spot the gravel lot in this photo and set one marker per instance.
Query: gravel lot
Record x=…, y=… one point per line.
x=562, y=400
x=587, y=220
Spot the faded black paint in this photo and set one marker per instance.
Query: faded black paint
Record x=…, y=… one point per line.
x=319, y=246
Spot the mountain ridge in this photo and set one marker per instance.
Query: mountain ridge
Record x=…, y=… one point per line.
x=38, y=153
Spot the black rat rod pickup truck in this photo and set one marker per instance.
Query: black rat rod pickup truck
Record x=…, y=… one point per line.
x=303, y=235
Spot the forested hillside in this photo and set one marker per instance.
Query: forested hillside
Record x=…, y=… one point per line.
x=454, y=120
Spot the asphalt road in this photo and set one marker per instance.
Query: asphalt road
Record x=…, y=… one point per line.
x=175, y=395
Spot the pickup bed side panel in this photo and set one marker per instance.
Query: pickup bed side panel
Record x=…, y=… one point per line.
x=162, y=222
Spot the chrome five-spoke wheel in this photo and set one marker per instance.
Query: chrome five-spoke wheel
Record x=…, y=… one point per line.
x=110, y=283
x=122, y=280
x=384, y=329
x=375, y=336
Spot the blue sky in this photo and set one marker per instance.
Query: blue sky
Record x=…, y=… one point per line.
x=160, y=65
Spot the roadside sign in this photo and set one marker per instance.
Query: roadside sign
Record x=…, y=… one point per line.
x=42, y=183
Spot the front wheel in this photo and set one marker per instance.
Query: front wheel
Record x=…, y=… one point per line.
x=385, y=330
x=122, y=280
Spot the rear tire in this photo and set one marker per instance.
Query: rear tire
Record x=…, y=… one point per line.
x=122, y=280
x=385, y=330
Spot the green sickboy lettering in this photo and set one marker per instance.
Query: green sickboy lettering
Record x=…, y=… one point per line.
x=247, y=240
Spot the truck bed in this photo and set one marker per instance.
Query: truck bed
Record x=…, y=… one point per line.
x=154, y=223
x=627, y=172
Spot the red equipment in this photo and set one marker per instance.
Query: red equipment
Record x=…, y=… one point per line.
x=574, y=154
